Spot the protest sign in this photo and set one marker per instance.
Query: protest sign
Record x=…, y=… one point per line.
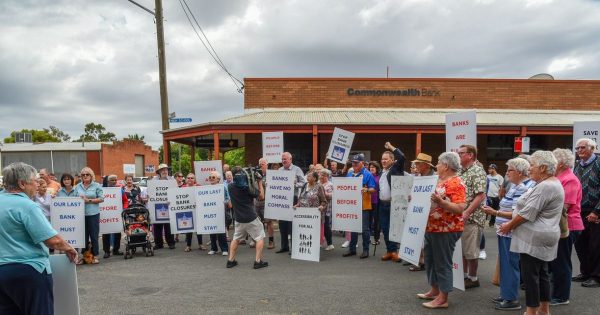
x=401, y=187
x=306, y=234
x=585, y=129
x=346, y=202
x=110, y=211
x=204, y=168
x=210, y=201
x=416, y=218
x=279, y=198
x=182, y=209
x=158, y=200
x=272, y=146
x=458, y=280
x=461, y=128
x=129, y=169
x=67, y=216
x=341, y=143
x=64, y=285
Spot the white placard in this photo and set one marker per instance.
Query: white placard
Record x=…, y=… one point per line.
x=129, y=169
x=204, y=168
x=341, y=143
x=279, y=198
x=210, y=202
x=458, y=280
x=182, y=209
x=401, y=187
x=306, y=234
x=461, y=128
x=110, y=211
x=67, y=216
x=346, y=208
x=586, y=129
x=416, y=218
x=64, y=285
x=158, y=199
x=272, y=146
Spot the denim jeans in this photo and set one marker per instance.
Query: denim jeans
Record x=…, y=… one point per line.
x=327, y=230
x=366, y=237
x=437, y=252
x=188, y=239
x=384, y=221
x=509, y=270
x=561, y=268
x=92, y=230
x=222, y=242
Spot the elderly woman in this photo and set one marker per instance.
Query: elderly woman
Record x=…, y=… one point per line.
x=162, y=173
x=561, y=267
x=312, y=195
x=190, y=181
x=43, y=197
x=444, y=228
x=518, y=175
x=328, y=189
x=92, y=194
x=25, y=273
x=214, y=178
x=67, y=183
x=536, y=231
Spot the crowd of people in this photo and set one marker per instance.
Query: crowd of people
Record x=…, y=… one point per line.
x=546, y=204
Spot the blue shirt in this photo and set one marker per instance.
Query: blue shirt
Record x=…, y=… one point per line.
x=367, y=178
x=23, y=230
x=63, y=193
x=93, y=191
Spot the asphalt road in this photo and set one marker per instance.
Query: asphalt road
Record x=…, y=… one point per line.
x=176, y=282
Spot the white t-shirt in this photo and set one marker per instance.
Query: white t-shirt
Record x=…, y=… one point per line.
x=494, y=183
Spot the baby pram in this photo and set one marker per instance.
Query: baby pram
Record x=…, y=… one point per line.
x=139, y=237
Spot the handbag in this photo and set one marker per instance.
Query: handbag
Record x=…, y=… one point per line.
x=564, y=224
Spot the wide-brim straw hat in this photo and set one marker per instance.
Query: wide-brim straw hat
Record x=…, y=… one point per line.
x=424, y=158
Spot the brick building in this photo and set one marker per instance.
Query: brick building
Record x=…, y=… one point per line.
x=410, y=113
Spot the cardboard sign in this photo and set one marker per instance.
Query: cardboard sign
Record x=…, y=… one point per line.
x=110, y=211
x=279, y=197
x=272, y=146
x=158, y=199
x=67, y=216
x=346, y=214
x=401, y=187
x=461, y=128
x=129, y=169
x=210, y=201
x=202, y=169
x=341, y=143
x=306, y=234
x=413, y=234
x=586, y=129
x=458, y=280
x=182, y=209
x=64, y=282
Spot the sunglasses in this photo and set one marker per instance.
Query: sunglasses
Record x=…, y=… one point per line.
x=82, y=175
x=190, y=178
x=212, y=177
x=178, y=176
x=581, y=147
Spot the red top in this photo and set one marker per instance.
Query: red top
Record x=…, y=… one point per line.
x=440, y=220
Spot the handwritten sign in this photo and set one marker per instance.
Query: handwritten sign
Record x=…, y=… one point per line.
x=416, y=218
x=401, y=187
x=306, y=233
x=341, y=143
x=586, y=129
x=272, y=146
x=210, y=201
x=67, y=216
x=158, y=199
x=204, y=168
x=182, y=209
x=279, y=197
x=110, y=211
x=346, y=214
x=461, y=128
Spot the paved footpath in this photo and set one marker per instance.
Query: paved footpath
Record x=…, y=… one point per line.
x=176, y=282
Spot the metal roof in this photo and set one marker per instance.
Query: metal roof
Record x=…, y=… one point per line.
x=52, y=146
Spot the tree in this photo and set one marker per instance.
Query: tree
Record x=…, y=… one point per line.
x=96, y=133
x=43, y=135
x=136, y=137
x=59, y=134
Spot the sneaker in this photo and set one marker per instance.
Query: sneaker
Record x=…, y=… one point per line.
x=482, y=254
x=212, y=252
x=348, y=254
x=231, y=264
x=260, y=264
x=346, y=244
x=329, y=247
x=365, y=254
x=497, y=300
x=507, y=305
x=580, y=278
x=556, y=302
x=469, y=284
x=225, y=254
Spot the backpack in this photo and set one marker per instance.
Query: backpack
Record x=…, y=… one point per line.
x=252, y=179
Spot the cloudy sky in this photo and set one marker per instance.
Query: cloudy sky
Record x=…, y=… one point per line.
x=66, y=63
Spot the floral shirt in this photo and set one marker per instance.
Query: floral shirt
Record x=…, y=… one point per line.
x=440, y=220
x=475, y=180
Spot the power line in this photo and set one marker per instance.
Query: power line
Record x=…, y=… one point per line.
x=211, y=51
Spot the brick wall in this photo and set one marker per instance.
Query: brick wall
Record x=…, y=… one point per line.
x=426, y=93
x=124, y=152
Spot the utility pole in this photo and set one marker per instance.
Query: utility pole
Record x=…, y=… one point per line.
x=162, y=68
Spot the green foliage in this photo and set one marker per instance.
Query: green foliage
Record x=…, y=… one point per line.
x=57, y=133
x=136, y=137
x=235, y=157
x=96, y=133
x=37, y=135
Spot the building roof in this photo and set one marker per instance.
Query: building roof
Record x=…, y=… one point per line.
x=52, y=146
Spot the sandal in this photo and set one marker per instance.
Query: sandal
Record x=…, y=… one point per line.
x=417, y=268
x=187, y=249
x=95, y=261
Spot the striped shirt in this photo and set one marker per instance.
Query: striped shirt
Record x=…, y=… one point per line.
x=508, y=202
